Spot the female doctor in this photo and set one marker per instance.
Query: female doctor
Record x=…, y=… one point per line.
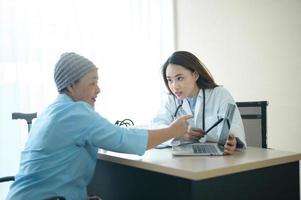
x=193, y=91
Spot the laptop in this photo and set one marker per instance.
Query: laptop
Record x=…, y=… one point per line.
x=208, y=149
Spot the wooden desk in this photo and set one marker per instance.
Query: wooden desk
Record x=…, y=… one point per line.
x=254, y=174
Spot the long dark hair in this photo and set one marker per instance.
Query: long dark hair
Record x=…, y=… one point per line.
x=193, y=64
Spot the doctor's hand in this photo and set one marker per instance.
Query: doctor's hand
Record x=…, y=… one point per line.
x=230, y=145
x=180, y=126
x=193, y=134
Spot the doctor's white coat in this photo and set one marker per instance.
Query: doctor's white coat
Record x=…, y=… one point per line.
x=216, y=102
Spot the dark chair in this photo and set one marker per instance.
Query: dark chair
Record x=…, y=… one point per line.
x=28, y=117
x=254, y=116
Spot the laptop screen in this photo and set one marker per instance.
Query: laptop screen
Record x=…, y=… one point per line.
x=226, y=124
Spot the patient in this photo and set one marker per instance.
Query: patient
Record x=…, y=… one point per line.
x=60, y=155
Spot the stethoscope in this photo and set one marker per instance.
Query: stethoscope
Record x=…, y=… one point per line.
x=204, y=106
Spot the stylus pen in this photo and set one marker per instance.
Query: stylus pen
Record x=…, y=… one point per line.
x=214, y=125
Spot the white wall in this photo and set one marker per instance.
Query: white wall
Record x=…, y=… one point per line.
x=253, y=48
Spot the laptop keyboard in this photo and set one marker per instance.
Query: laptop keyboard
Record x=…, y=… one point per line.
x=204, y=148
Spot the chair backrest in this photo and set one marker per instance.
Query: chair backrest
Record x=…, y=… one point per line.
x=254, y=116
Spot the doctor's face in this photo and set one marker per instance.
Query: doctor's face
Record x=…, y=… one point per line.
x=181, y=81
x=86, y=89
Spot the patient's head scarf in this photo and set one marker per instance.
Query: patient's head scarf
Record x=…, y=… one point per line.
x=70, y=68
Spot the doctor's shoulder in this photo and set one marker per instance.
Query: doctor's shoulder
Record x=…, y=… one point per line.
x=222, y=92
x=170, y=100
x=169, y=104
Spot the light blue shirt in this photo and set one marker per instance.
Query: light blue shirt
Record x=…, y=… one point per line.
x=192, y=101
x=61, y=152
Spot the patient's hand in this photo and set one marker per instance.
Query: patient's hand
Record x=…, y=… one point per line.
x=193, y=134
x=230, y=145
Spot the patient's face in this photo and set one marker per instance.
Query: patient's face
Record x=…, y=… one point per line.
x=86, y=89
x=181, y=81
